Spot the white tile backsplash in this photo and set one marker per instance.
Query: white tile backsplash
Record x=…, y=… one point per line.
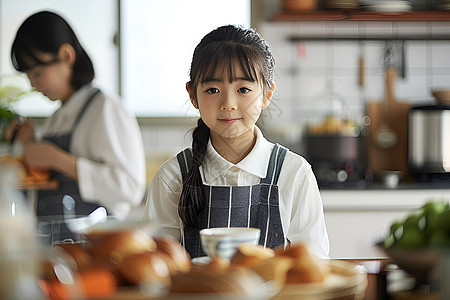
x=304, y=68
x=440, y=54
x=416, y=57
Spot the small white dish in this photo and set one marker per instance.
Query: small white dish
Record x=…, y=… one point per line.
x=202, y=260
x=224, y=241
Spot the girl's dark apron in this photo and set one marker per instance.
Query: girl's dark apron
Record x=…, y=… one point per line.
x=49, y=206
x=240, y=206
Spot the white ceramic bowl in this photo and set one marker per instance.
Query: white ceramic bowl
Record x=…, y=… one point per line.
x=223, y=242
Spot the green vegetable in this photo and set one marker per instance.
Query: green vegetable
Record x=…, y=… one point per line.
x=425, y=227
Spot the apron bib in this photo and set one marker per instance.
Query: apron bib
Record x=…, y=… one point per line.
x=254, y=206
x=49, y=205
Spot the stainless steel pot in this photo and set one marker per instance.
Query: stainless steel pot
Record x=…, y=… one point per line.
x=336, y=158
x=429, y=139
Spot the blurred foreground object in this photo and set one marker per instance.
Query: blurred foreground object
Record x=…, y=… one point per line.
x=420, y=245
x=18, y=245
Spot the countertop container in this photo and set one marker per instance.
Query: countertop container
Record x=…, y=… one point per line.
x=429, y=140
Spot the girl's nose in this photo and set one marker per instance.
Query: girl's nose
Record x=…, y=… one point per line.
x=228, y=103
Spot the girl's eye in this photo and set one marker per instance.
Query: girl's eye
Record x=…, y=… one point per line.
x=244, y=90
x=212, y=90
x=36, y=72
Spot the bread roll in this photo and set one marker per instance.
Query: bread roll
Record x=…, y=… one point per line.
x=305, y=268
x=173, y=269
x=26, y=174
x=144, y=267
x=82, y=256
x=248, y=255
x=247, y=278
x=175, y=251
x=116, y=246
x=236, y=280
x=275, y=268
x=216, y=265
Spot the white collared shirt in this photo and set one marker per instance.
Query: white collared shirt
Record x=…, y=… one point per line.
x=109, y=149
x=301, y=207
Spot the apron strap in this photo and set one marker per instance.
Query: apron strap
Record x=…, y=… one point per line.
x=273, y=173
x=83, y=109
x=85, y=106
x=275, y=163
x=185, y=162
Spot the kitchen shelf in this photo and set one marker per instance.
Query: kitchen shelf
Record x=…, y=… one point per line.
x=362, y=16
x=357, y=15
x=337, y=37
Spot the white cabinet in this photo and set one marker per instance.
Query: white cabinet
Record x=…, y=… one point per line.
x=356, y=219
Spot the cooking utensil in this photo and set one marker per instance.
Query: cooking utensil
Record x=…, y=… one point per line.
x=361, y=64
x=395, y=115
x=14, y=134
x=385, y=136
x=337, y=158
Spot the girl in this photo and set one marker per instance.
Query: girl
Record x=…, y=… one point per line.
x=233, y=176
x=91, y=144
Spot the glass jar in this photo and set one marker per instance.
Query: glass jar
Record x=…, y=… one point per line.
x=19, y=251
x=332, y=114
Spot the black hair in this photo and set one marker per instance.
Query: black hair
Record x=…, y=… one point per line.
x=45, y=32
x=218, y=51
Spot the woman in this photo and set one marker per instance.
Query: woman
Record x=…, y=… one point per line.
x=91, y=144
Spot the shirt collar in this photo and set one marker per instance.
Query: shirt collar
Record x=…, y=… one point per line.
x=254, y=163
x=66, y=114
x=73, y=105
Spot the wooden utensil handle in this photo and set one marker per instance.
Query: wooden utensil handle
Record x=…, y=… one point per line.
x=391, y=74
x=361, y=71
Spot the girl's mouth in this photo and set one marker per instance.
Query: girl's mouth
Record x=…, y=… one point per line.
x=229, y=120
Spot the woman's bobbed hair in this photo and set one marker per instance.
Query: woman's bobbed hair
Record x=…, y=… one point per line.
x=217, y=53
x=45, y=32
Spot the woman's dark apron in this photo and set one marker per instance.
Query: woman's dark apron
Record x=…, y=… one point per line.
x=254, y=206
x=49, y=204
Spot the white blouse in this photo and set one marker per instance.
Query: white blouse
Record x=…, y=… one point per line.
x=301, y=207
x=109, y=149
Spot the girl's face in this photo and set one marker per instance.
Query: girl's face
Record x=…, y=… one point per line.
x=53, y=78
x=230, y=109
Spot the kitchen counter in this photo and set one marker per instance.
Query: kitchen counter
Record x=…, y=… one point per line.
x=441, y=183
x=357, y=219
x=401, y=198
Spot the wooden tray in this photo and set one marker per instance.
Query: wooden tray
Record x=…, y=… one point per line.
x=266, y=292
x=344, y=282
x=38, y=185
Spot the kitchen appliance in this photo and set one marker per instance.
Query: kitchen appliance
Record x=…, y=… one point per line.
x=429, y=141
x=335, y=141
x=337, y=160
